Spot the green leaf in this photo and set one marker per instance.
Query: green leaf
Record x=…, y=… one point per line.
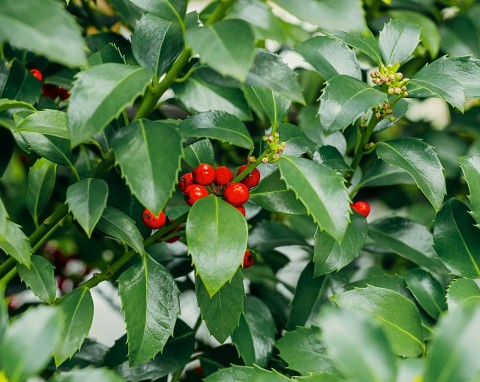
x=427, y=291
x=201, y=151
x=221, y=312
x=345, y=334
x=267, y=102
x=330, y=156
x=437, y=85
x=17, y=83
x=156, y=43
x=296, y=141
x=268, y=235
x=149, y=154
x=28, y=343
x=3, y=314
x=108, y=54
x=87, y=199
x=173, y=10
x=46, y=122
x=452, y=352
x=39, y=278
x=303, y=351
x=398, y=316
x=456, y=239
x=381, y=174
x=421, y=161
x=364, y=41
x=330, y=255
x=6, y=104
x=462, y=291
x=408, y=239
x=471, y=171
x=150, y=301
x=228, y=46
x=246, y=374
x=321, y=190
x=99, y=95
x=77, y=308
x=22, y=24
x=255, y=336
x=15, y=243
x=217, y=238
x=330, y=57
x=328, y=14
x=217, y=125
x=89, y=374
x=40, y=183
x=117, y=224
x=397, y=41
x=320, y=377
x=345, y=99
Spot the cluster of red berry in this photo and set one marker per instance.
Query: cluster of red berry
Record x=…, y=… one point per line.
x=49, y=90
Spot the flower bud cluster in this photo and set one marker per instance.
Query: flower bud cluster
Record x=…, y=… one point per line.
x=394, y=82
x=384, y=111
x=274, y=147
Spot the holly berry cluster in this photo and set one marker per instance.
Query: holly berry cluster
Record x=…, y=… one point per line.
x=49, y=90
x=394, y=82
x=196, y=184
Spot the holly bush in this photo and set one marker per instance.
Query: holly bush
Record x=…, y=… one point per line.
x=308, y=170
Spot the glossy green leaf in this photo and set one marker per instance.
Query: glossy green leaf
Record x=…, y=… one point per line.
x=398, y=316
x=427, y=291
x=87, y=199
x=471, y=171
x=397, y=41
x=461, y=291
x=46, y=122
x=303, y=351
x=149, y=154
x=267, y=102
x=99, y=95
x=246, y=374
x=221, y=312
x=108, y=54
x=320, y=377
x=22, y=24
x=296, y=142
x=426, y=85
x=127, y=11
x=17, y=83
x=398, y=111
x=255, y=336
x=117, y=224
x=28, y=343
x=346, y=333
x=77, y=307
x=268, y=235
x=217, y=239
x=452, y=353
x=321, y=190
x=330, y=156
x=421, y=161
x=89, y=374
x=156, y=43
x=217, y=125
x=345, y=99
x=15, y=243
x=6, y=104
x=408, y=239
x=330, y=255
x=330, y=57
x=150, y=302
x=198, y=152
x=227, y=46
x=381, y=174
x=456, y=239
x=40, y=183
x=364, y=41
x=173, y=10
x=39, y=278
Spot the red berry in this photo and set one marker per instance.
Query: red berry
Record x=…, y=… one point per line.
x=185, y=181
x=204, y=174
x=37, y=74
x=195, y=192
x=248, y=260
x=223, y=176
x=363, y=208
x=49, y=91
x=152, y=221
x=173, y=239
x=63, y=93
x=236, y=193
x=252, y=179
x=241, y=209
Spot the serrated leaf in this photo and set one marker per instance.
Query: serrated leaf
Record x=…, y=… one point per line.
x=345, y=99
x=201, y=151
x=330, y=255
x=296, y=142
x=15, y=243
x=40, y=183
x=149, y=154
x=381, y=174
x=217, y=238
x=39, y=278
x=87, y=199
x=462, y=291
x=117, y=224
x=363, y=41
x=321, y=190
x=246, y=374
x=267, y=102
x=221, y=312
x=98, y=96
x=77, y=307
x=22, y=25
x=397, y=41
x=440, y=86
x=421, y=161
x=108, y=54
x=398, y=316
x=46, y=122
x=6, y=104
x=471, y=171
x=150, y=302
x=255, y=336
x=217, y=125
x=456, y=239
x=173, y=10
x=89, y=374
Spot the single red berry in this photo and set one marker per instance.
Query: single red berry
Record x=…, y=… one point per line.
x=185, y=181
x=195, y=192
x=152, y=221
x=173, y=239
x=203, y=174
x=241, y=209
x=37, y=74
x=49, y=91
x=223, y=176
x=363, y=208
x=252, y=179
x=236, y=193
x=248, y=259
x=63, y=93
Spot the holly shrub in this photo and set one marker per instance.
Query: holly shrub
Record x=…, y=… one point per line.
x=308, y=169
